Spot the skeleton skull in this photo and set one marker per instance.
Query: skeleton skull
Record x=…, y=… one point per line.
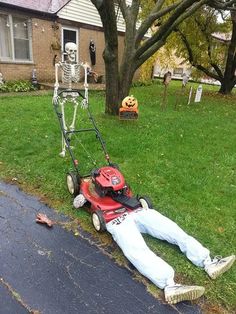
x=71, y=50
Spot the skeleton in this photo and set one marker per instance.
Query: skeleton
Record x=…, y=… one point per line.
x=70, y=74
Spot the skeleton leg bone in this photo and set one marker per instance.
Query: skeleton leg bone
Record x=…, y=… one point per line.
x=72, y=126
x=63, y=144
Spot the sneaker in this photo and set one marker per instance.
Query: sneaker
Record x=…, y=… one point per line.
x=178, y=293
x=219, y=265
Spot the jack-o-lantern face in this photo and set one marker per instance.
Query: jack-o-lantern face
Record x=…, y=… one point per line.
x=130, y=102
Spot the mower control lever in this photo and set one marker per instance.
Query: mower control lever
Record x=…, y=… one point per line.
x=129, y=201
x=95, y=173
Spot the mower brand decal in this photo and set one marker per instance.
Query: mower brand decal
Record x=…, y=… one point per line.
x=120, y=210
x=115, y=180
x=119, y=220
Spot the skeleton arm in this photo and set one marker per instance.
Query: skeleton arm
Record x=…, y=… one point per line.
x=56, y=85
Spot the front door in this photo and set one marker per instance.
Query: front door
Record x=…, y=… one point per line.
x=69, y=35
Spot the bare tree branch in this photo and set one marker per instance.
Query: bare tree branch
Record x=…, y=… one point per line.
x=123, y=8
x=97, y=3
x=153, y=16
x=192, y=61
x=222, y=4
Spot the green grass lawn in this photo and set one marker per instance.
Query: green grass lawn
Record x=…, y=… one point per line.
x=184, y=160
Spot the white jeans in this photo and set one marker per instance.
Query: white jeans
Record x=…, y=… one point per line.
x=127, y=229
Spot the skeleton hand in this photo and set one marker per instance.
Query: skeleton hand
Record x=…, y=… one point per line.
x=62, y=154
x=84, y=104
x=55, y=93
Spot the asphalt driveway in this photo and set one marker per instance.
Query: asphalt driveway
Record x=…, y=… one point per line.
x=51, y=271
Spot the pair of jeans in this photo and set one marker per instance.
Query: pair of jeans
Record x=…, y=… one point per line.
x=127, y=232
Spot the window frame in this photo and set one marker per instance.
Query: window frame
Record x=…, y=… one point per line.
x=13, y=59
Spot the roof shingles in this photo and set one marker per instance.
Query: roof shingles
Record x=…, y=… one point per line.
x=45, y=6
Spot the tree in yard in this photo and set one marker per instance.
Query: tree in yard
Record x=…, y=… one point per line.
x=198, y=40
x=137, y=48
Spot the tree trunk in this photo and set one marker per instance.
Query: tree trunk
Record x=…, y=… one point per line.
x=106, y=9
x=226, y=87
x=125, y=84
x=127, y=70
x=120, y=79
x=229, y=79
x=112, y=84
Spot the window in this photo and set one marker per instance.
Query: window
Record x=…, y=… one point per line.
x=15, y=38
x=178, y=71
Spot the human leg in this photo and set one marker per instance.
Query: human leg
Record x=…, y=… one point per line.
x=131, y=242
x=125, y=232
x=152, y=222
x=157, y=225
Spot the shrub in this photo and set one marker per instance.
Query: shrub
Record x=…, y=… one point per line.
x=17, y=86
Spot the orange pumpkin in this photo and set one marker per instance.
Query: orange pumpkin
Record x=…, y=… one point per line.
x=130, y=103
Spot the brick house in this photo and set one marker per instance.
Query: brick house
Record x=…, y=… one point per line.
x=33, y=35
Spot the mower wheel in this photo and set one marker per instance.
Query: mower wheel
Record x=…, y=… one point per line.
x=73, y=183
x=98, y=221
x=145, y=202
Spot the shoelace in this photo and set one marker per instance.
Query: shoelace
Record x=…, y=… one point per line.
x=176, y=286
x=217, y=259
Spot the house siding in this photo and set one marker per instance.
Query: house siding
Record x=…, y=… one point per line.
x=79, y=14
x=98, y=36
x=84, y=11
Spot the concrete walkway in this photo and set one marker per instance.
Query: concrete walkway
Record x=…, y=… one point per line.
x=51, y=271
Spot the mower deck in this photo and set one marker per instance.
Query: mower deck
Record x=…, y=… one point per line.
x=110, y=207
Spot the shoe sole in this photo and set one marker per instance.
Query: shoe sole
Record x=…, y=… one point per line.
x=222, y=270
x=186, y=296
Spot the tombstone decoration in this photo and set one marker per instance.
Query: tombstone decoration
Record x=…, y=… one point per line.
x=1, y=79
x=129, y=109
x=190, y=95
x=92, y=50
x=198, y=95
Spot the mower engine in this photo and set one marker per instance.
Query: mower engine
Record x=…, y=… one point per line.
x=109, y=181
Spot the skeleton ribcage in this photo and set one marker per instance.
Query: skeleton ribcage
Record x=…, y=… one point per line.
x=70, y=72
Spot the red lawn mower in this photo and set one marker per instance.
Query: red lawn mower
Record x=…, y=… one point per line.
x=105, y=189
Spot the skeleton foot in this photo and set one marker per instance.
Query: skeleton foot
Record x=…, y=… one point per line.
x=62, y=154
